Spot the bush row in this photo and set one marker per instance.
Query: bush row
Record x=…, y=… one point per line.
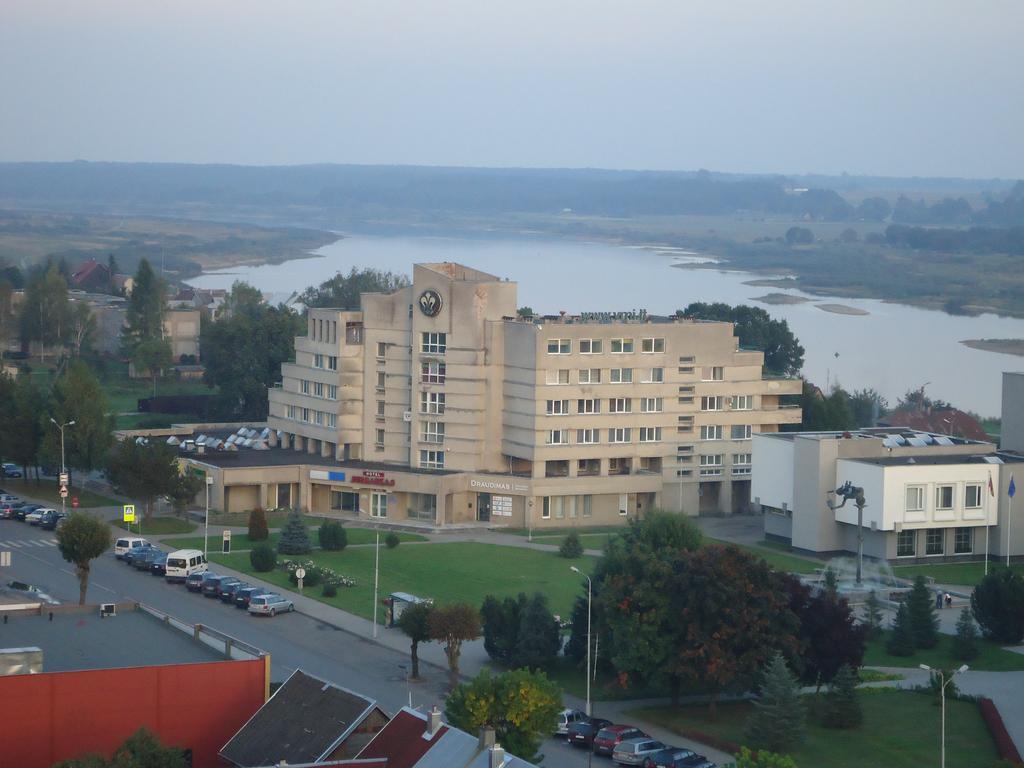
x=997, y=729
x=317, y=574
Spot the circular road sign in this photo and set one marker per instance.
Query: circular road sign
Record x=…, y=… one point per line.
x=300, y=573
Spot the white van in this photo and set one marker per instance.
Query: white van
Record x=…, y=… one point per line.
x=124, y=545
x=183, y=563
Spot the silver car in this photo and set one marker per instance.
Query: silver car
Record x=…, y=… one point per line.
x=633, y=751
x=270, y=605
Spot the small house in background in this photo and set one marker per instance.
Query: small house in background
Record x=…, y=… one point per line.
x=91, y=276
x=307, y=720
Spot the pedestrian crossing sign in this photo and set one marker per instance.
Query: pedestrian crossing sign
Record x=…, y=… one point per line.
x=129, y=513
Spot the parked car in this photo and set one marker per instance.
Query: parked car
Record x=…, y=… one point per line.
x=609, y=737
x=9, y=508
x=567, y=717
x=127, y=543
x=671, y=757
x=8, y=498
x=195, y=582
x=132, y=554
x=145, y=558
x=213, y=587
x=51, y=519
x=270, y=604
x=25, y=509
x=183, y=563
x=245, y=594
x=33, y=517
x=227, y=594
x=158, y=565
x=633, y=751
x=581, y=734
x=10, y=470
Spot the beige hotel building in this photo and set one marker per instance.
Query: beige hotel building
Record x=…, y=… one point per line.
x=437, y=403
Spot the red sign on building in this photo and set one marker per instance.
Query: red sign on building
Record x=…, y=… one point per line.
x=373, y=478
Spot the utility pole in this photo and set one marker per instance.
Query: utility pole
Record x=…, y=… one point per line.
x=63, y=465
x=590, y=596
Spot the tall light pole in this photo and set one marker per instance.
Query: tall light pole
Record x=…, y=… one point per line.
x=943, y=681
x=376, y=583
x=206, y=524
x=590, y=595
x=63, y=466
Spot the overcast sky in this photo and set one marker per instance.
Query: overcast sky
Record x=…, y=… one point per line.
x=915, y=87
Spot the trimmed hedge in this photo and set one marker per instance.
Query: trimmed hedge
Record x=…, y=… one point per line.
x=263, y=558
x=392, y=540
x=997, y=729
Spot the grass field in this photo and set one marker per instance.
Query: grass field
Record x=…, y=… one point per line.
x=992, y=657
x=47, y=491
x=158, y=526
x=241, y=541
x=781, y=561
x=447, y=573
x=588, y=540
x=900, y=730
x=966, y=574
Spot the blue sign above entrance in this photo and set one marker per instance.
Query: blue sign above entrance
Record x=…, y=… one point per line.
x=339, y=476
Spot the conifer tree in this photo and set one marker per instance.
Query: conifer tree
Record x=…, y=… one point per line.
x=294, y=536
x=965, y=644
x=924, y=623
x=777, y=722
x=901, y=642
x=842, y=708
x=873, y=614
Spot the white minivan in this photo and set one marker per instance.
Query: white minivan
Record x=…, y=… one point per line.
x=183, y=563
x=124, y=545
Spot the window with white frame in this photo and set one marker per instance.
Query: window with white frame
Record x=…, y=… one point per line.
x=621, y=376
x=590, y=346
x=620, y=435
x=318, y=360
x=742, y=402
x=739, y=432
x=432, y=459
x=332, y=391
x=332, y=419
x=711, y=403
x=433, y=343
x=935, y=541
x=654, y=376
x=433, y=372
x=620, y=405
x=332, y=363
x=559, y=346
x=560, y=376
x=379, y=438
x=557, y=407
x=651, y=405
x=915, y=498
x=652, y=345
x=584, y=503
x=906, y=544
x=963, y=541
x=558, y=437
x=650, y=434
x=291, y=411
x=711, y=432
x=741, y=463
x=712, y=373
x=432, y=402
x=590, y=376
x=622, y=346
x=318, y=389
x=305, y=415
x=588, y=436
x=381, y=379
x=972, y=496
x=380, y=409
x=304, y=387
x=711, y=465
x=382, y=349
x=592, y=405
x=318, y=417
x=432, y=432
x=944, y=497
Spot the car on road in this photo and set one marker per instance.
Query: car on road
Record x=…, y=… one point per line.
x=145, y=558
x=158, y=565
x=672, y=757
x=227, y=594
x=270, y=605
x=213, y=587
x=609, y=737
x=8, y=498
x=245, y=594
x=182, y=563
x=131, y=554
x=633, y=751
x=194, y=582
x=7, y=469
x=33, y=517
x=51, y=520
x=9, y=508
x=127, y=543
x=566, y=718
x=582, y=732
x=25, y=509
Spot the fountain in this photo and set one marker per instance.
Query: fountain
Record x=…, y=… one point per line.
x=877, y=576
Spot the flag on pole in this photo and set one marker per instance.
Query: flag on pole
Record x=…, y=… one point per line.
x=991, y=490
x=1012, y=490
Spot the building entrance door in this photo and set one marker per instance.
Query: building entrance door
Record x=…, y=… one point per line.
x=483, y=507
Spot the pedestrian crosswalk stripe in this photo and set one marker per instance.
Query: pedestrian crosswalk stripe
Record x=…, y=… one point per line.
x=38, y=543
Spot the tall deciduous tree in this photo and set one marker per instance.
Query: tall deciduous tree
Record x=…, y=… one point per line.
x=81, y=540
x=143, y=470
x=81, y=328
x=144, y=319
x=756, y=329
x=45, y=312
x=152, y=356
x=23, y=433
x=184, y=491
x=77, y=396
x=415, y=623
x=452, y=625
x=342, y=291
x=998, y=606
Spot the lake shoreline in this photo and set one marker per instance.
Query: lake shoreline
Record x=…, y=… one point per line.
x=1000, y=346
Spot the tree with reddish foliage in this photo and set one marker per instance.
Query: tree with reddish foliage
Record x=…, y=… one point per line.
x=829, y=638
x=451, y=626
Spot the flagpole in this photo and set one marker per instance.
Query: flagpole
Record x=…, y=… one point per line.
x=1009, y=519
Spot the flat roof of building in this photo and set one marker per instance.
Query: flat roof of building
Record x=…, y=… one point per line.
x=932, y=460
x=84, y=641
x=900, y=437
x=284, y=457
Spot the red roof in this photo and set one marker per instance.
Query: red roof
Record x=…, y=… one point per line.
x=950, y=421
x=88, y=271
x=401, y=742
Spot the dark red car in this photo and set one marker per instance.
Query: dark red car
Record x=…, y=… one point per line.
x=608, y=738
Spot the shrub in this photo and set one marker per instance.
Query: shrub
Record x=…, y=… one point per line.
x=312, y=578
x=263, y=558
x=258, y=525
x=965, y=644
x=777, y=722
x=763, y=759
x=997, y=729
x=329, y=590
x=901, y=641
x=572, y=547
x=998, y=606
x=294, y=536
x=392, y=540
x=333, y=536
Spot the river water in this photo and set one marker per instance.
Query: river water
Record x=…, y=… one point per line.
x=893, y=348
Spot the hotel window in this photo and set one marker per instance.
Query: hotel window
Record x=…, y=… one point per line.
x=559, y=346
x=379, y=440
x=318, y=389
x=291, y=411
x=713, y=373
x=963, y=541
x=382, y=349
x=622, y=375
x=686, y=359
x=304, y=387
x=380, y=409
x=583, y=503
x=741, y=463
x=740, y=432
x=332, y=391
x=332, y=419
x=432, y=402
x=650, y=434
x=318, y=361
x=651, y=405
x=685, y=369
x=944, y=497
x=433, y=372
x=652, y=345
x=623, y=503
x=620, y=405
x=432, y=459
x=622, y=346
x=915, y=498
x=590, y=346
x=422, y=506
x=711, y=466
x=560, y=376
x=587, y=436
x=972, y=497
x=588, y=406
x=545, y=511
x=590, y=376
x=378, y=505
x=558, y=437
x=585, y=467
x=711, y=432
x=557, y=407
x=711, y=403
x=742, y=402
x=934, y=541
x=554, y=505
x=332, y=363
x=432, y=432
x=654, y=376
x=620, y=435
x=381, y=378
x=305, y=415
x=906, y=543
x=434, y=343
x=318, y=417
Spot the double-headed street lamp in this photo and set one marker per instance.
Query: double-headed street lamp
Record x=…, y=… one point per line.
x=943, y=682
x=63, y=466
x=590, y=595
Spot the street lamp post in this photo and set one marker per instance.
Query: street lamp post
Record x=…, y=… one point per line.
x=206, y=524
x=590, y=594
x=376, y=583
x=63, y=466
x=943, y=682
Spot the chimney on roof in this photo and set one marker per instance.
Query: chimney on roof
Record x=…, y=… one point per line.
x=497, y=757
x=486, y=737
x=433, y=720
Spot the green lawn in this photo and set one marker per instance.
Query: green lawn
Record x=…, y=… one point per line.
x=241, y=541
x=48, y=491
x=456, y=572
x=158, y=526
x=900, y=730
x=781, y=561
x=588, y=540
x=966, y=574
x=992, y=657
